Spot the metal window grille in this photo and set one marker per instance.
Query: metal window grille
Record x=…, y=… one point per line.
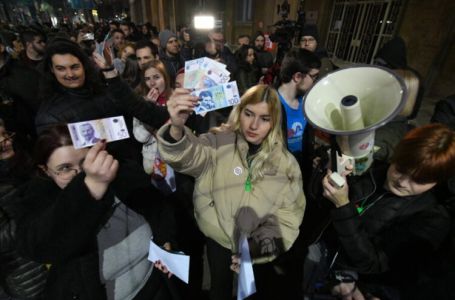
x=359, y=28
x=244, y=11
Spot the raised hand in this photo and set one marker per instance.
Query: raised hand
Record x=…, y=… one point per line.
x=100, y=169
x=180, y=105
x=104, y=60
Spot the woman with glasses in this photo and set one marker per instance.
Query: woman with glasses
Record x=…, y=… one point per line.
x=92, y=222
x=20, y=278
x=309, y=40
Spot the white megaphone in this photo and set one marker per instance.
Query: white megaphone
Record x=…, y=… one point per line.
x=350, y=104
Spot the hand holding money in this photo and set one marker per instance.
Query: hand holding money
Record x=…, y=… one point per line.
x=180, y=105
x=100, y=169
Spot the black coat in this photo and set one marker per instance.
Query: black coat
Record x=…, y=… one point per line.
x=18, y=97
x=20, y=277
x=390, y=240
x=60, y=228
x=76, y=105
x=246, y=77
x=172, y=64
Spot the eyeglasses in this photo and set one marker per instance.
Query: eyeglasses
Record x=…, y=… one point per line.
x=6, y=136
x=313, y=76
x=309, y=40
x=66, y=173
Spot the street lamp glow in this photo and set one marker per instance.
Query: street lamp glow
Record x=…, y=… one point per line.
x=204, y=22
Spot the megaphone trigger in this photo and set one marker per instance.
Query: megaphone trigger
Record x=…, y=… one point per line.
x=336, y=180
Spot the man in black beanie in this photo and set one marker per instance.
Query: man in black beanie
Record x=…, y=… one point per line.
x=309, y=39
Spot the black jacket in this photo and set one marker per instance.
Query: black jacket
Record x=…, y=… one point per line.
x=60, y=228
x=20, y=277
x=391, y=239
x=75, y=105
x=172, y=64
x=18, y=97
x=246, y=77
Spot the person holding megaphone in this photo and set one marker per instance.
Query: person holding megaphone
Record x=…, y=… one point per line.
x=388, y=221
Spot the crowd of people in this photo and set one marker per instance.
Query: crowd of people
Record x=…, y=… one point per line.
x=76, y=222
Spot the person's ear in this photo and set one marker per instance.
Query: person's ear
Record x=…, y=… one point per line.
x=44, y=169
x=297, y=77
x=2, y=48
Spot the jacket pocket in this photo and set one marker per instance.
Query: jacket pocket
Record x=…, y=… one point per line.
x=202, y=204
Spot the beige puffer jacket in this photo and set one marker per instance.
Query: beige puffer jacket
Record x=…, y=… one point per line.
x=273, y=208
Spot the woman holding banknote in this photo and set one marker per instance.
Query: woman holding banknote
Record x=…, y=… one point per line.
x=91, y=220
x=156, y=87
x=246, y=183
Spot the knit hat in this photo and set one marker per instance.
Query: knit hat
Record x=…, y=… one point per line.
x=164, y=37
x=310, y=30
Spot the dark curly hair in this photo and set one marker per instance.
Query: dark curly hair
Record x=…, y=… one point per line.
x=49, y=86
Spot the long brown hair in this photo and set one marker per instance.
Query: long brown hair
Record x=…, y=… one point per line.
x=143, y=89
x=49, y=140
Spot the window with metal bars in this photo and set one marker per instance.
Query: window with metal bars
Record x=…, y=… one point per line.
x=358, y=29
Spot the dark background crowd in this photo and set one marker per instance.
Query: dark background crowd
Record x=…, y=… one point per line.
x=56, y=244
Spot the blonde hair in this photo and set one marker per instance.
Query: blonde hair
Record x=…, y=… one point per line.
x=412, y=86
x=274, y=139
x=124, y=46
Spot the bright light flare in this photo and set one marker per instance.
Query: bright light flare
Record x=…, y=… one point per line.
x=204, y=22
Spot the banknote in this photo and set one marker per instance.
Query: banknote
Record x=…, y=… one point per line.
x=204, y=73
x=219, y=96
x=87, y=133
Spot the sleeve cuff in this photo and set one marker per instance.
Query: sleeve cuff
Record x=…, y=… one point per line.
x=344, y=212
x=168, y=137
x=113, y=81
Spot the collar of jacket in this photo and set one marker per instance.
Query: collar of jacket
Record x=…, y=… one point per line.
x=81, y=92
x=272, y=163
x=163, y=56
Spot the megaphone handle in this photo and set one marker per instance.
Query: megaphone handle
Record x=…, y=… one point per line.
x=333, y=153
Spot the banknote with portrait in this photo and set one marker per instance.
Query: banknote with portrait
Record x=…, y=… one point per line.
x=204, y=73
x=87, y=133
x=216, y=97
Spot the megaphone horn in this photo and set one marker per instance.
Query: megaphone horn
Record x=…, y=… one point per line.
x=351, y=103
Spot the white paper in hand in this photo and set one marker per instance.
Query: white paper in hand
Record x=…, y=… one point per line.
x=177, y=264
x=87, y=133
x=246, y=285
